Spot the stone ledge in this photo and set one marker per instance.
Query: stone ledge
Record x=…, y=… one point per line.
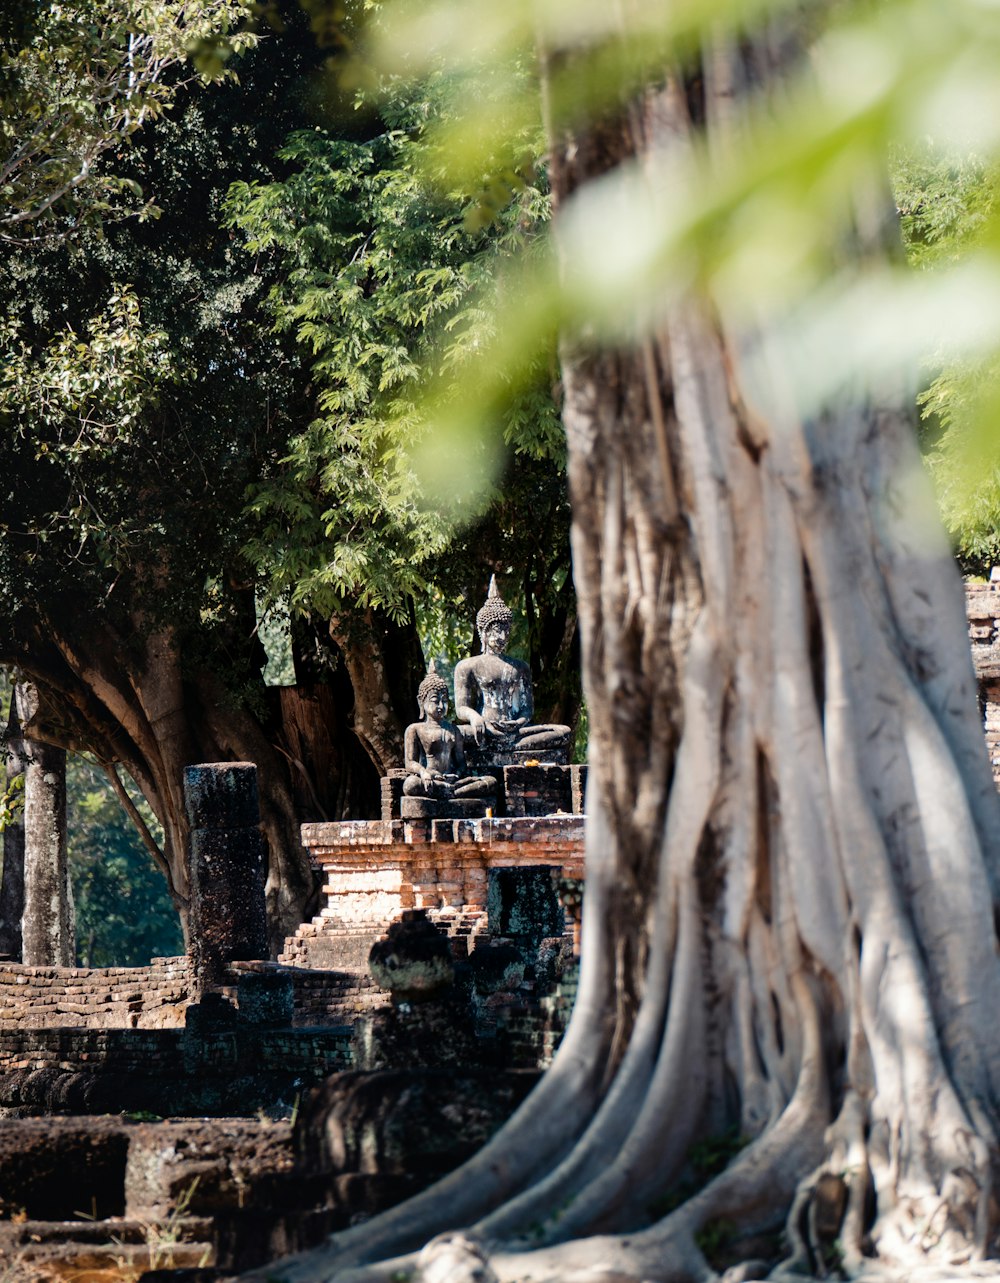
x=346, y=835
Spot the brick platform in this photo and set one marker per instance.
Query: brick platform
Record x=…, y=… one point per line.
x=375, y=869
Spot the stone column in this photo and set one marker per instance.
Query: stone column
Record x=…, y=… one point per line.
x=48, y=929
x=228, y=868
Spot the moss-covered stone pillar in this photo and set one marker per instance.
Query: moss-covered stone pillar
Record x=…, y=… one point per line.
x=228, y=869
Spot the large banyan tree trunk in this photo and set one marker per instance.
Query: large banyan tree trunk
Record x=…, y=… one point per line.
x=145, y=700
x=787, y=1019
x=135, y=707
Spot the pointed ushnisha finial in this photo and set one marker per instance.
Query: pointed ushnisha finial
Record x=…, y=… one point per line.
x=433, y=681
x=494, y=608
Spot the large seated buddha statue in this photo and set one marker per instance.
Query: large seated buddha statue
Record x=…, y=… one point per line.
x=493, y=699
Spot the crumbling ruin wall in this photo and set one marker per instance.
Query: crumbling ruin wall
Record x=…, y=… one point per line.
x=109, y=1198
x=319, y=997
x=375, y=870
x=168, y=1072
x=157, y=996
x=982, y=604
x=152, y=997
x=534, y=1030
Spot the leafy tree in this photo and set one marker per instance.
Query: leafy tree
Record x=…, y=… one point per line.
x=379, y=271
x=77, y=80
x=789, y=958
x=947, y=207
x=144, y=393
x=138, y=403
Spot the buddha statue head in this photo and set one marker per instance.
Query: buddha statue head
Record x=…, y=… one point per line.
x=433, y=691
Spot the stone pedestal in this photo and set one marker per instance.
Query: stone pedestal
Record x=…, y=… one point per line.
x=454, y=808
x=496, y=753
x=228, y=869
x=524, y=787
x=544, y=789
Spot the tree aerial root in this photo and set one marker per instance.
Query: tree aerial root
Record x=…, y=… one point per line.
x=750, y=1196
x=826, y=1230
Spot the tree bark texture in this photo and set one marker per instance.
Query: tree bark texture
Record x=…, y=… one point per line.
x=140, y=703
x=48, y=926
x=382, y=658
x=793, y=842
x=12, y=883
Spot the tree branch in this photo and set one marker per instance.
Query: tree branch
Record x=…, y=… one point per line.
x=150, y=843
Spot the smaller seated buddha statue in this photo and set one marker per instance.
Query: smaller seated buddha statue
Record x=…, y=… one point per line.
x=434, y=753
x=493, y=699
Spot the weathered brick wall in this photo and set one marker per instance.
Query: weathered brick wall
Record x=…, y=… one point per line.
x=147, y=1051
x=152, y=997
x=169, y=1072
x=152, y=1052
x=134, y=1021
x=323, y=997
x=156, y=997
x=982, y=604
x=535, y=1030
x=376, y=870
x=213, y=1198
x=544, y=790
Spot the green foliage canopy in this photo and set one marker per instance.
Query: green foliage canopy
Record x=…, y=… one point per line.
x=77, y=80
x=140, y=393
x=386, y=282
x=760, y=222
x=76, y=407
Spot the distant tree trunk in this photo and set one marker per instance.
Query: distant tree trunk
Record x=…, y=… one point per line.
x=12, y=884
x=384, y=662
x=331, y=774
x=145, y=710
x=48, y=936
